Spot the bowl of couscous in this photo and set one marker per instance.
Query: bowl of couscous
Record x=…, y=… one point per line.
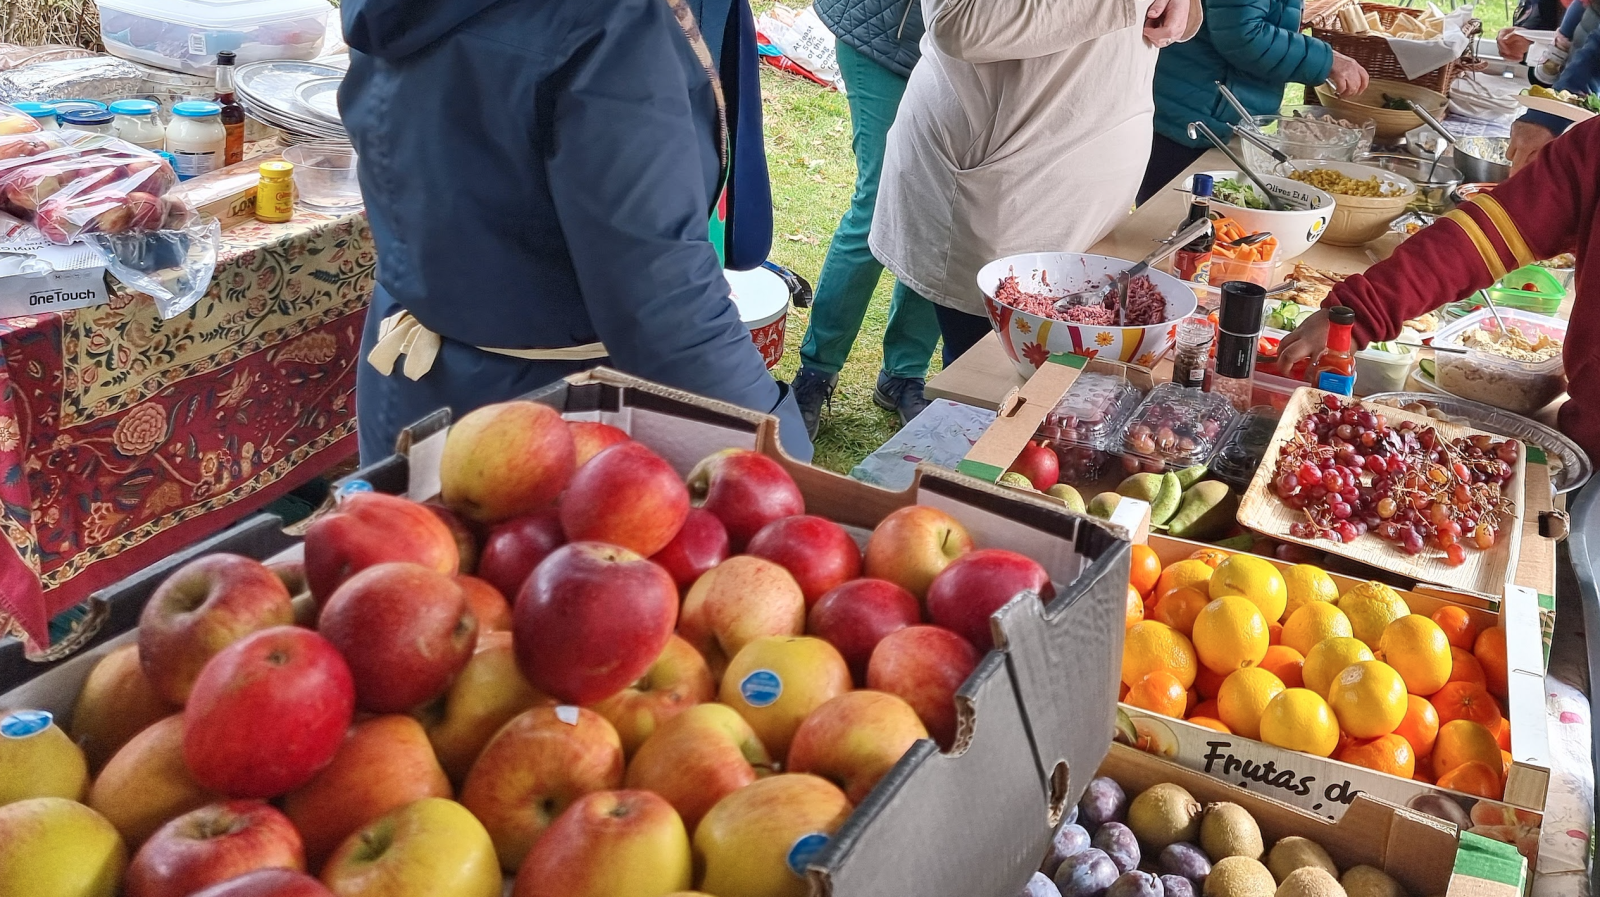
x=1366, y=198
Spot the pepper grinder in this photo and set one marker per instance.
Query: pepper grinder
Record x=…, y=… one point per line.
x=1238, y=329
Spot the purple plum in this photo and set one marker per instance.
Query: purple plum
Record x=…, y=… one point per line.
x=1089, y=874
x=1135, y=884
x=1185, y=861
x=1177, y=886
x=1103, y=801
x=1040, y=885
x=1069, y=840
x=1119, y=843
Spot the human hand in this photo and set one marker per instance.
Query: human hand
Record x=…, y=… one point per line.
x=1165, y=21
x=1348, y=77
x=1512, y=46
x=1527, y=139
x=1303, y=343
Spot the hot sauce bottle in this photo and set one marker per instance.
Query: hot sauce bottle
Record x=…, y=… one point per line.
x=1335, y=368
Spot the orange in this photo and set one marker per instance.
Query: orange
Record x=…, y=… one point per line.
x=1146, y=569
x=1502, y=734
x=1150, y=646
x=1474, y=778
x=1420, y=726
x=1490, y=649
x=1274, y=634
x=1230, y=634
x=1253, y=578
x=1419, y=651
x=1207, y=682
x=1457, y=625
x=1212, y=556
x=1205, y=710
x=1313, y=622
x=1369, y=698
x=1330, y=656
x=1187, y=572
x=1465, y=668
x=1306, y=584
x=1159, y=692
x=1135, y=611
x=1286, y=664
x=1465, y=700
x=1371, y=607
x=1179, y=607
x=1505, y=764
x=1244, y=697
x=1210, y=723
x=1300, y=720
x=1387, y=753
x=1462, y=741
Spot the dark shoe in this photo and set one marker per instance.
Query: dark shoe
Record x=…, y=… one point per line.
x=902, y=395
x=812, y=390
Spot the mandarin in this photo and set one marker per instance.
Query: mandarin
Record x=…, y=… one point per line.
x=1420, y=725
x=1146, y=569
x=1458, y=625
x=1286, y=663
x=1490, y=649
x=1159, y=692
x=1390, y=754
x=1465, y=700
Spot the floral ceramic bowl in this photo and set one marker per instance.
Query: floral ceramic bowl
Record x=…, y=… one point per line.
x=1030, y=339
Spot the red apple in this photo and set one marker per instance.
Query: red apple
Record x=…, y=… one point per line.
x=54, y=222
x=911, y=546
x=268, y=883
x=516, y=546
x=506, y=459
x=384, y=763
x=405, y=631
x=116, y=703
x=146, y=783
x=699, y=757
x=924, y=666
x=702, y=543
x=975, y=585
x=267, y=712
x=858, y=615
x=678, y=680
x=590, y=438
x=538, y=763
x=213, y=844
x=113, y=214
x=818, y=552
x=855, y=739
x=370, y=528
x=627, y=495
x=738, y=601
x=610, y=844
x=178, y=214
x=488, y=605
x=467, y=536
x=145, y=211
x=487, y=694
x=746, y=490
x=1038, y=462
x=592, y=618
x=203, y=607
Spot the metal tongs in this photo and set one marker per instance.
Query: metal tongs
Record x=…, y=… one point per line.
x=1438, y=128
x=1247, y=129
x=1118, y=292
x=1196, y=128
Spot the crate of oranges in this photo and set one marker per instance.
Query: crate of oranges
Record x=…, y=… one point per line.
x=1312, y=687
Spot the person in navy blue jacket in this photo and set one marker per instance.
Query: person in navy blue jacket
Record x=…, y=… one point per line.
x=540, y=177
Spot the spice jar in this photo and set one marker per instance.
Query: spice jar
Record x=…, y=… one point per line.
x=136, y=123
x=196, y=138
x=1194, y=351
x=275, y=193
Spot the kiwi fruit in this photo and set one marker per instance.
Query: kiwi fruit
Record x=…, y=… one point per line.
x=1228, y=830
x=1367, y=881
x=1310, y=881
x=1239, y=877
x=1164, y=814
x=1295, y=852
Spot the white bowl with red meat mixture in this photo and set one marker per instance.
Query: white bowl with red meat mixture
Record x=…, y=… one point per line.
x=1019, y=293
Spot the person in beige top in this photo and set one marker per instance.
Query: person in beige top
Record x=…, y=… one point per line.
x=1026, y=128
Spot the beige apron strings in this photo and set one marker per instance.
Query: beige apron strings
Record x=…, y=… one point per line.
x=401, y=334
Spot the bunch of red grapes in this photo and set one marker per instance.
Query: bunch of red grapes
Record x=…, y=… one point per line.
x=1353, y=474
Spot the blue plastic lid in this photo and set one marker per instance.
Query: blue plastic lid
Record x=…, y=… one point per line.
x=196, y=109
x=1201, y=185
x=134, y=107
x=171, y=159
x=77, y=103
x=36, y=110
x=86, y=117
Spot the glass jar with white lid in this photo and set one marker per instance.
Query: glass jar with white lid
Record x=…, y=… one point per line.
x=196, y=138
x=138, y=124
x=44, y=114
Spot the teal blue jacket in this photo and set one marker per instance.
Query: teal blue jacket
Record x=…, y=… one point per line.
x=1253, y=46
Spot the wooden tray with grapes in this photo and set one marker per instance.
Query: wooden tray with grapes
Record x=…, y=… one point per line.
x=1469, y=543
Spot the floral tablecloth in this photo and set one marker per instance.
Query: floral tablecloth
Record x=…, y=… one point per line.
x=124, y=437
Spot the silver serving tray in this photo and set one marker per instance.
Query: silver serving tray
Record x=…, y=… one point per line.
x=1570, y=466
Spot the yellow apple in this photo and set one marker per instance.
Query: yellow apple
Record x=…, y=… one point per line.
x=485, y=695
x=37, y=759
x=699, y=757
x=54, y=847
x=609, y=844
x=678, y=680
x=740, y=600
x=757, y=841
x=147, y=783
x=775, y=683
x=536, y=766
x=855, y=739
x=427, y=848
x=117, y=702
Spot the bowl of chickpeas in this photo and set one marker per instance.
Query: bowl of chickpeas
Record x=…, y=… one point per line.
x=1367, y=198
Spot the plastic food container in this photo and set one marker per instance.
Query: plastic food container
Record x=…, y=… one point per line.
x=1308, y=132
x=1085, y=422
x=1224, y=269
x=1517, y=386
x=186, y=35
x=1237, y=460
x=1271, y=390
x=1530, y=288
x=325, y=176
x=1378, y=371
x=1174, y=428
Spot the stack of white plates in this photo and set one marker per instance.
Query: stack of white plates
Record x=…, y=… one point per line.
x=298, y=98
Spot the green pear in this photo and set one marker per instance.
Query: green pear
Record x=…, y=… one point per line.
x=1207, y=512
x=1103, y=505
x=1188, y=476
x=1167, y=500
x=1146, y=487
x=1016, y=481
x=1068, y=495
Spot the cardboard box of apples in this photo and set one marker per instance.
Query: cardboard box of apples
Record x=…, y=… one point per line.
x=683, y=662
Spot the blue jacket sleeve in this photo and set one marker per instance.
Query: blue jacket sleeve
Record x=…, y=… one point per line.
x=1582, y=75
x=627, y=174
x=1246, y=35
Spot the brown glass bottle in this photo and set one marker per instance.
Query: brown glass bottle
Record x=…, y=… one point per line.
x=232, y=113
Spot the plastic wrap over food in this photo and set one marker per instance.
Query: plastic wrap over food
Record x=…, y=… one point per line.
x=94, y=78
x=17, y=55
x=173, y=265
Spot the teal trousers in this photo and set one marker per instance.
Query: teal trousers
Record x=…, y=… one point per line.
x=850, y=273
